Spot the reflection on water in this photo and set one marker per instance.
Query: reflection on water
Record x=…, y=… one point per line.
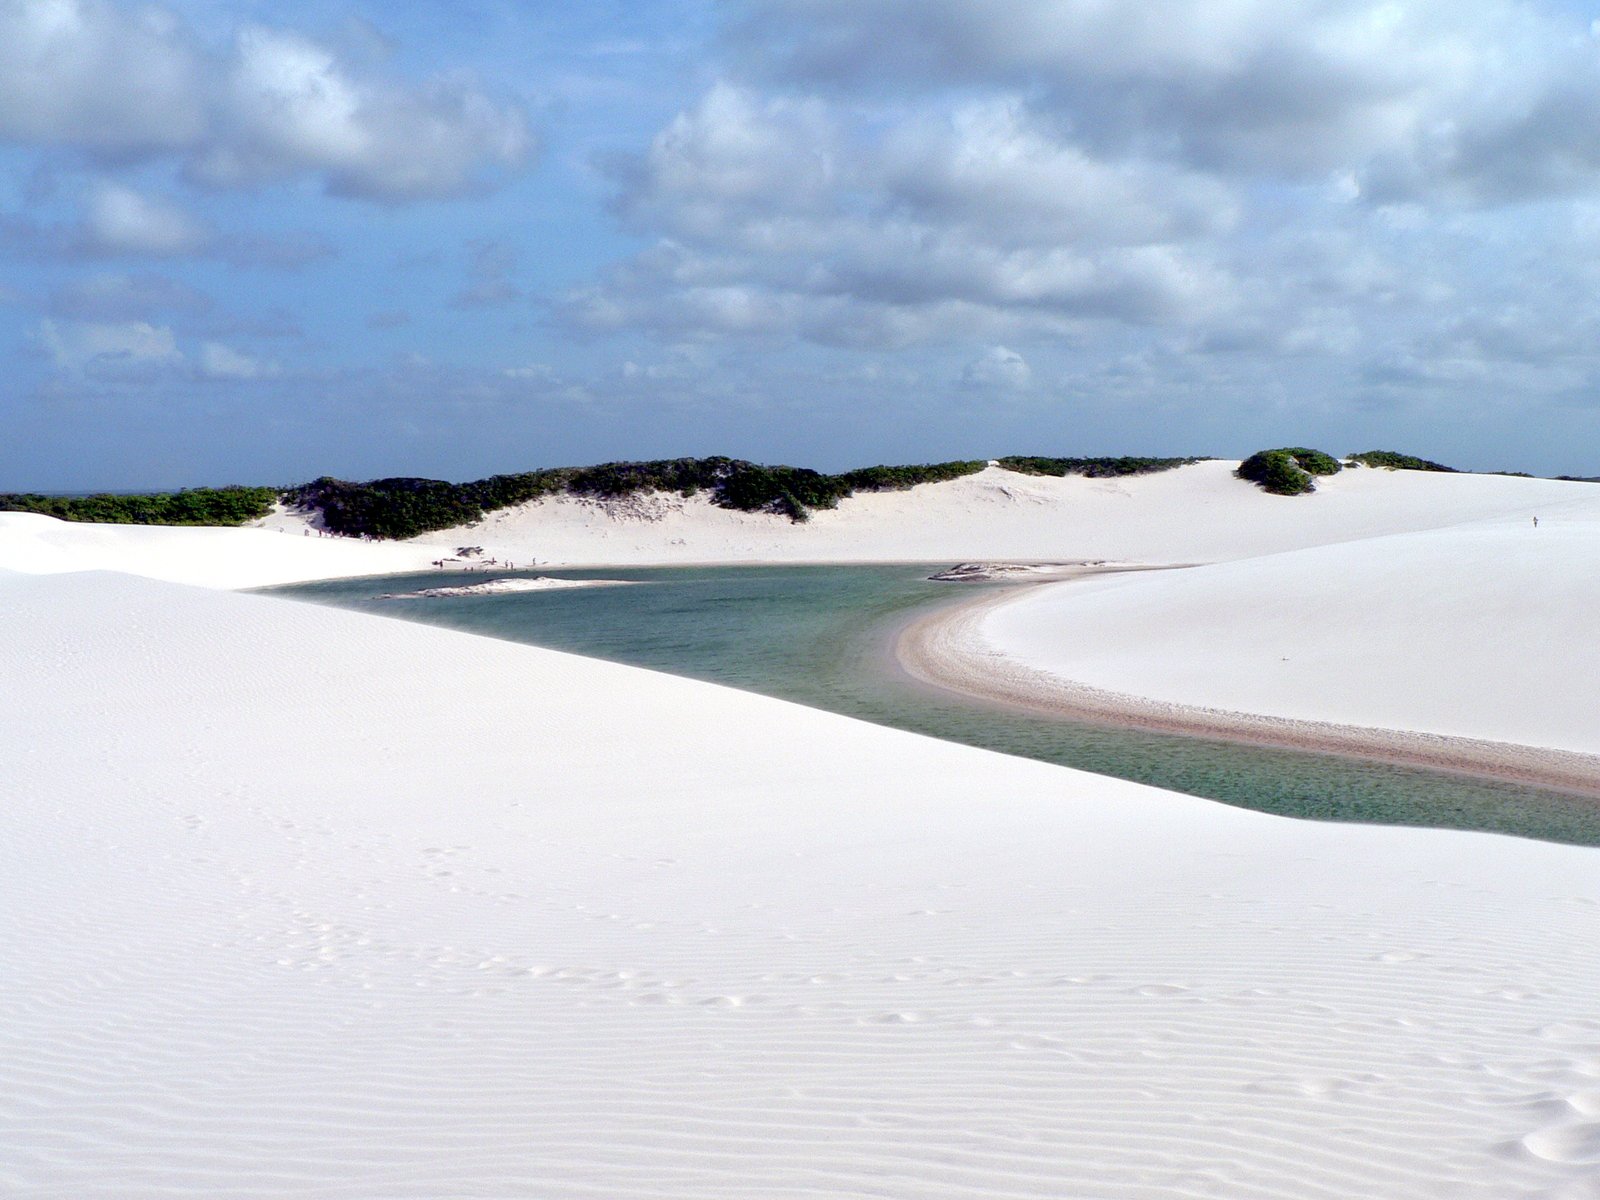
x=820, y=635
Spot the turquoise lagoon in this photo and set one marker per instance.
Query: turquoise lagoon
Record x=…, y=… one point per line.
x=823, y=636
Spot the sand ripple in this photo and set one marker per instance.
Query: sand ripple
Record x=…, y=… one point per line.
x=291, y=914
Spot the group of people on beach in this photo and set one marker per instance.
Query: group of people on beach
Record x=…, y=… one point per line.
x=508, y=565
x=320, y=532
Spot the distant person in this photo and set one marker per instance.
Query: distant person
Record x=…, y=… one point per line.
x=1536, y=522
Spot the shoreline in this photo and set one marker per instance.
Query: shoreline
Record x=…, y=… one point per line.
x=943, y=650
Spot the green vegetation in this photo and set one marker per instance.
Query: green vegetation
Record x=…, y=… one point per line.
x=193, y=506
x=1094, y=468
x=1314, y=461
x=1395, y=461
x=898, y=479
x=402, y=508
x=1287, y=471
x=386, y=508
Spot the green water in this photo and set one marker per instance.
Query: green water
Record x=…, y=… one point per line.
x=820, y=635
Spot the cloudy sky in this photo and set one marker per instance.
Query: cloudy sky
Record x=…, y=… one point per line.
x=261, y=241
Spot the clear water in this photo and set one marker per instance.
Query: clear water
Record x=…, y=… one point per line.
x=822, y=636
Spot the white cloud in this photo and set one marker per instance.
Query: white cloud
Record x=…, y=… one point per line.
x=218, y=361
x=122, y=221
x=97, y=347
x=539, y=371
x=736, y=154
x=289, y=106
x=998, y=368
x=781, y=217
x=121, y=83
x=1476, y=101
x=91, y=74
x=993, y=166
x=1219, y=189
x=131, y=349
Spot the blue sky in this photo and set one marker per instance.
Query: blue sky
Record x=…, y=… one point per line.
x=261, y=242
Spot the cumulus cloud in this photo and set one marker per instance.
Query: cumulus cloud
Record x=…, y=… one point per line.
x=734, y=154
x=540, y=371
x=117, y=221
x=109, y=79
x=131, y=350
x=82, y=347
x=1353, y=191
x=122, y=221
x=994, y=166
x=219, y=361
x=1476, y=100
x=780, y=217
x=120, y=83
x=289, y=106
x=997, y=368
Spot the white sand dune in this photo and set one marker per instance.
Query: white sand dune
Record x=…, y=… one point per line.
x=305, y=903
x=207, y=557
x=1199, y=513
x=1194, y=514
x=1483, y=632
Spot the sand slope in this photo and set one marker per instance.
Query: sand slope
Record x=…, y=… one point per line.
x=1484, y=631
x=1193, y=514
x=307, y=903
x=1199, y=513
x=224, y=558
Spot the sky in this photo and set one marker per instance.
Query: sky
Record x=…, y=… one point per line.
x=252, y=242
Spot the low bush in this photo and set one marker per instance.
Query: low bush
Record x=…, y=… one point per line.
x=1288, y=470
x=193, y=506
x=387, y=508
x=1093, y=468
x=1395, y=461
x=402, y=508
x=899, y=479
x=1313, y=461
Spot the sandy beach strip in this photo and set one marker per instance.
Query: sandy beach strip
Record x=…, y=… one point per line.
x=948, y=649
x=505, y=587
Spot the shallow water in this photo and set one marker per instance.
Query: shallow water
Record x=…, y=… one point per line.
x=821, y=636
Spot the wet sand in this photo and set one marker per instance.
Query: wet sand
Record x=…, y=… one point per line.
x=946, y=649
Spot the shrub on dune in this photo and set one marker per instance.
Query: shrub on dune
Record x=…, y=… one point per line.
x=1092, y=468
x=1288, y=470
x=1395, y=461
x=193, y=506
x=402, y=508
